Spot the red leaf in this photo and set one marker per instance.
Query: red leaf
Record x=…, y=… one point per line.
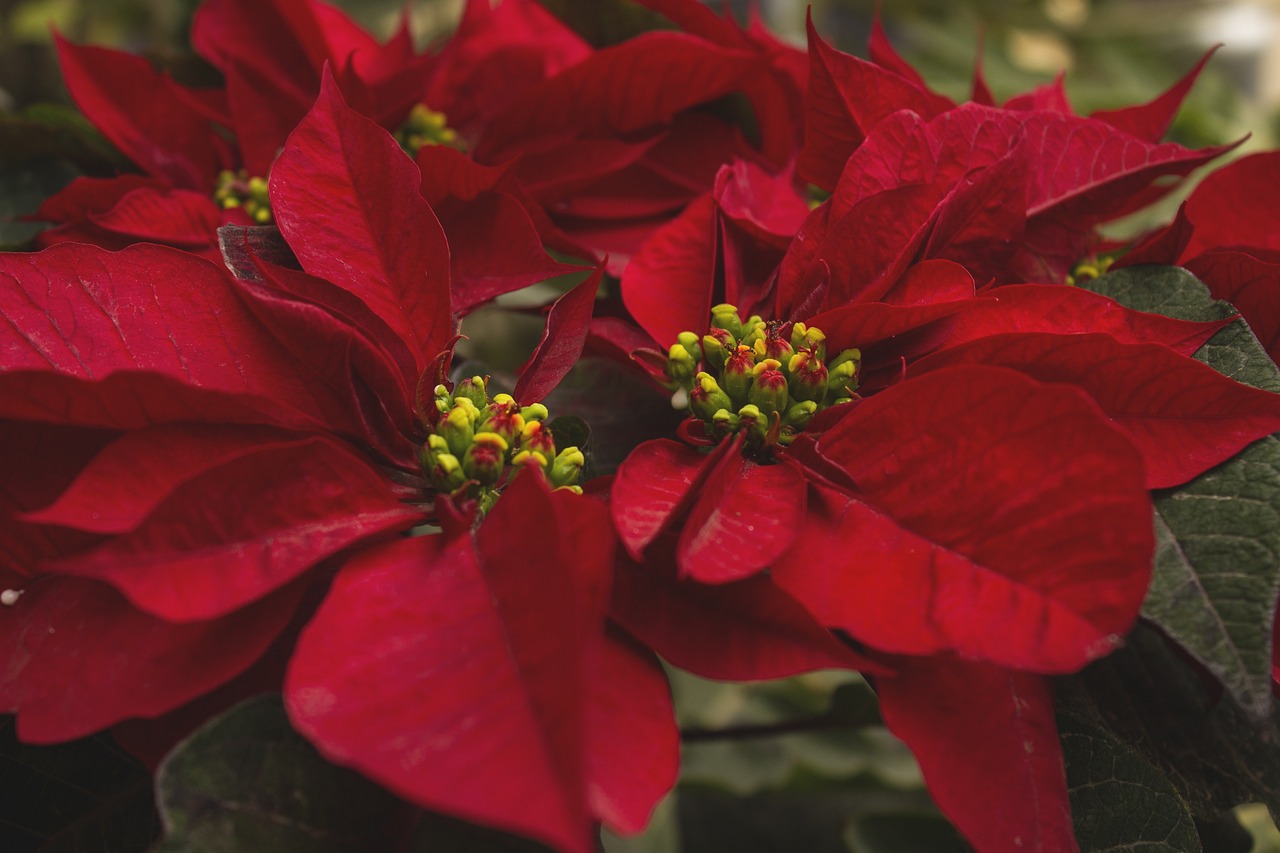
x=144, y=336
x=203, y=543
x=1150, y=121
x=749, y=630
x=652, y=487
x=994, y=516
x=1182, y=415
x=667, y=287
x=988, y=746
x=138, y=110
x=745, y=516
x=1070, y=310
x=174, y=217
x=628, y=692
x=562, y=341
x=346, y=198
x=1249, y=283
x=453, y=672
x=847, y=98
x=629, y=87
x=1231, y=207
x=495, y=249
x=79, y=657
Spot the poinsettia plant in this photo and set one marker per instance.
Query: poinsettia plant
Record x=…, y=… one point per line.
x=823, y=382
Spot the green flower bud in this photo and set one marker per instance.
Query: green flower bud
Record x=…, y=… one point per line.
x=535, y=412
x=707, y=397
x=725, y=423
x=457, y=428
x=473, y=389
x=799, y=415
x=529, y=457
x=681, y=364
x=714, y=352
x=769, y=388
x=692, y=343
x=537, y=436
x=445, y=473
x=567, y=467
x=504, y=419
x=808, y=377
x=485, y=458
x=725, y=316
x=754, y=422
x=737, y=374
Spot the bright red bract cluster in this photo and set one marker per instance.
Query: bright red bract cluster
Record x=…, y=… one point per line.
x=212, y=429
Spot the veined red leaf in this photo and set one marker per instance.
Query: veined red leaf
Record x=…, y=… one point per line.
x=566, y=332
x=80, y=657
x=667, y=287
x=977, y=729
x=346, y=198
x=267, y=514
x=1182, y=415
x=749, y=630
x=995, y=516
x=653, y=484
x=144, y=336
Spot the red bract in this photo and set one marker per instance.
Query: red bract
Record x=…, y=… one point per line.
x=472, y=673
x=958, y=521
x=1222, y=235
x=187, y=453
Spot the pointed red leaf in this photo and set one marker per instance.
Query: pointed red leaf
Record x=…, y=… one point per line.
x=144, y=336
x=667, y=286
x=749, y=630
x=988, y=746
x=1249, y=283
x=137, y=109
x=494, y=249
x=848, y=97
x=1071, y=310
x=453, y=672
x=745, y=516
x=346, y=198
x=1231, y=207
x=218, y=539
x=628, y=692
x=1150, y=121
x=994, y=515
x=1184, y=416
x=174, y=217
x=652, y=487
x=631, y=86
x=562, y=341
x=79, y=657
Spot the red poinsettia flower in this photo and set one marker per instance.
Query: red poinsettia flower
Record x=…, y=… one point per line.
x=188, y=453
x=977, y=515
x=206, y=153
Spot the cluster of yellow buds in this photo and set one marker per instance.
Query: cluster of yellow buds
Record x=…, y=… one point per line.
x=479, y=443
x=1090, y=268
x=425, y=126
x=237, y=189
x=767, y=379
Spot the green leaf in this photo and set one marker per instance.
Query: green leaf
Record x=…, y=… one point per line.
x=1148, y=696
x=22, y=190
x=903, y=832
x=45, y=131
x=1217, y=567
x=87, y=795
x=247, y=781
x=1119, y=800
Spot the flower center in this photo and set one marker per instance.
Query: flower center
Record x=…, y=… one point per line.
x=1090, y=268
x=237, y=189
x=767, y=379
x=425, y=126
x=478, y=444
